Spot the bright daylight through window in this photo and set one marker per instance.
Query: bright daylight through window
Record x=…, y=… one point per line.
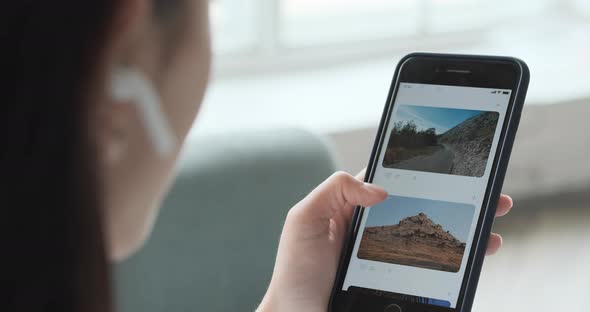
x=288, y=56
x=271, y=29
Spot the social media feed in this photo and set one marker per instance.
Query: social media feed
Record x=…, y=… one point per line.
x=435, y=162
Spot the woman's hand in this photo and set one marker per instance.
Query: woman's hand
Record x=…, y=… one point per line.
x=312, y=240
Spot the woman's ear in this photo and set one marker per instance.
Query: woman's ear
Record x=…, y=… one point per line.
x=111, y=119
x=133, y=87
x=112, y=130
x=133, y=106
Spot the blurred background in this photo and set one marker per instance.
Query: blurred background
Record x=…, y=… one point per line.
x=294, y=58
x=324, y=67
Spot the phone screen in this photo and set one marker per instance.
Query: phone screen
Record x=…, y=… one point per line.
x=435, y=162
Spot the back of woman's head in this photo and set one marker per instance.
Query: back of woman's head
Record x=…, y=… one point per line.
x=53, y=252
x=56, y=59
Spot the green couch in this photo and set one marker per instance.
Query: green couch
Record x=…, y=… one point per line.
x=214, y=244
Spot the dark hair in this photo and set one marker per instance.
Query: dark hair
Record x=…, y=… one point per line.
x=53, y=251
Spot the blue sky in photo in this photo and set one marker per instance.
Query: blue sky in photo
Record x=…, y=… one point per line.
x=440, y=118
x=453, y=217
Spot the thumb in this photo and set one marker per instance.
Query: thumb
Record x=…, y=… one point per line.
x=340, y=191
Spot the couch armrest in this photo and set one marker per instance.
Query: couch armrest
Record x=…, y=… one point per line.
x=214, y=245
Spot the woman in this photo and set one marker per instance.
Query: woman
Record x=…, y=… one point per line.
x=103, y=94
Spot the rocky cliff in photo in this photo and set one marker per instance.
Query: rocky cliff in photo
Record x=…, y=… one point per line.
x=470, y=142
x=414, y=241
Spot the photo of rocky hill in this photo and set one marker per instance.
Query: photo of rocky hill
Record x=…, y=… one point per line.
x=416, y=239
x=441, y=140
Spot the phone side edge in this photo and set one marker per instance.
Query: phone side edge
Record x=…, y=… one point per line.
x=496, y=190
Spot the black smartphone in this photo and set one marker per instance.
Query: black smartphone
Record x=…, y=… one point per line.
x=441, y=153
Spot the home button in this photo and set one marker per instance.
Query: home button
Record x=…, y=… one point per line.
x=393, y=308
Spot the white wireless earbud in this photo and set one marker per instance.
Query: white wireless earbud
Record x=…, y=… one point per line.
x=131, y=85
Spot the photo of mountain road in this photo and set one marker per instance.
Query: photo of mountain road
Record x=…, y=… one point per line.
x=441, y=161
x=441, y=140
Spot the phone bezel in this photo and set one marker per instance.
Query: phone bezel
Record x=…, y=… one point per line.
x=463, y=63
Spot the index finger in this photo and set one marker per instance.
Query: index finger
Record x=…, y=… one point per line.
x=339, y=192
x=505, y=202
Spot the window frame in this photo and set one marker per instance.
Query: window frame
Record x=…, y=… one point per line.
x=268, y=54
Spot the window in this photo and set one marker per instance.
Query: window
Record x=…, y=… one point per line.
x=583, y=7
x=232, y=25
x=321, y=22
x=464, y=15
x=260, y=34
x=343, y=53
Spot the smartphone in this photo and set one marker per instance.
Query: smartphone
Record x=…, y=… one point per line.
x=441, y=152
